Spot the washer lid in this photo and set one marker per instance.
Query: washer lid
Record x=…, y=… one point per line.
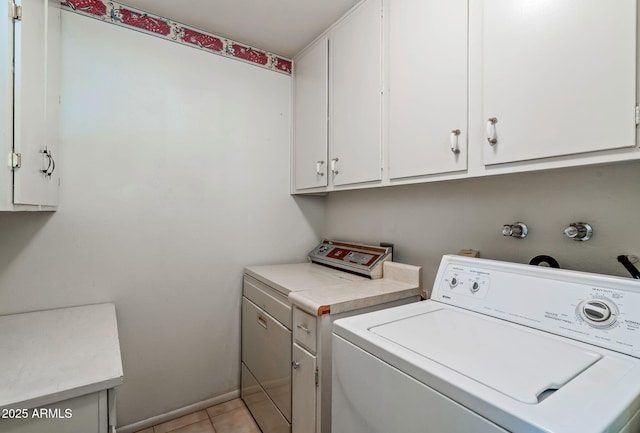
x=513, y=361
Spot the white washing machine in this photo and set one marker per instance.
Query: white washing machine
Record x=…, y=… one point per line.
x=499, y=347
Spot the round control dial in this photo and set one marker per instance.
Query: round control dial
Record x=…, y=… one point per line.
x=453, y=282
x=475, y=286
x=599, y=313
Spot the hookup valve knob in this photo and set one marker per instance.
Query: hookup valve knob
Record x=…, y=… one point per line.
x=516, y=230
x=579, y=231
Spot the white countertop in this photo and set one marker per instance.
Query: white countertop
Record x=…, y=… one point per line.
x=300, y=276
x=400, y=281
x=53, y=355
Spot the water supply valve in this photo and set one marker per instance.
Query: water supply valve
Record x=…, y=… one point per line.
x=579, y=231
x=516, y=230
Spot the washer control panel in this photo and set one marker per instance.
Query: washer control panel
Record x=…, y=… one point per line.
x=596, y=309
x=466, y=282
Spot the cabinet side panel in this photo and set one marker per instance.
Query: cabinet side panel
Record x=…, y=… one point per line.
x=6, y=105
x=52, y=100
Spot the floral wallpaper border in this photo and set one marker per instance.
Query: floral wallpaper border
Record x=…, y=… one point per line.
x=125, y=16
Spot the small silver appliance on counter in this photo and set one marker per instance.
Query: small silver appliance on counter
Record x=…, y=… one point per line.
x=365, y=260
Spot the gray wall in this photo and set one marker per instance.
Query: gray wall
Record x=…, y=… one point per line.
x=428, y=220
x=175, y=175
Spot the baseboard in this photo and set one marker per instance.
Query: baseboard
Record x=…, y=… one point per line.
x=141, y=425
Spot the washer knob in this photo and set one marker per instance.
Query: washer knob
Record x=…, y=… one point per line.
x=474, y=287
x=453, y=282
x=598, y=313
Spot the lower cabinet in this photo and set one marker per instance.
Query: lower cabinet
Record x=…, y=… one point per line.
x=87, y=414
x=303, y=414
x=311, y=366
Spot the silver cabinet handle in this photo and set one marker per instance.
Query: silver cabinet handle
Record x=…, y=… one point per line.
x=295, y=365
x=304, y=328
x=492, y=136
x=455, y=148
x=318, y=168
x=333, y=166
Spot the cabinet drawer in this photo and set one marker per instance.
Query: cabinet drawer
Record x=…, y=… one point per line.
x=261, y=407
x=266, y=351
x=268, y=299
x=304, y=329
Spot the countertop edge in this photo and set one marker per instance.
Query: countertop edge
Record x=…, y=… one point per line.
x=61, y=396
x=300, y=300
x=343, y=307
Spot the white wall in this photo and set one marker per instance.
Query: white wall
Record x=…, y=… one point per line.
x=175, y=174
x=428, y=220
x=175, y=171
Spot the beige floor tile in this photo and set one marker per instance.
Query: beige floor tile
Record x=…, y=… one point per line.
x=236, y=421
x=198, y=427
x=177, y=423
x=147, y=430
x=225, y=407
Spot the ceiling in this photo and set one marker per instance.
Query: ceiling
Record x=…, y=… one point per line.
x=282, y=27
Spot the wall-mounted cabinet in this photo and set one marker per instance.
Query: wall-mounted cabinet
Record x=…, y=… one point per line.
x=559, y=78
x=338, y=104
x=355, y=102
x=310, y=117
x=427, y=87
x=30, y=95
x=479, y=88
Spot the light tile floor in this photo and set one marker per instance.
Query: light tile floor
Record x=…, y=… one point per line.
x=230, y=417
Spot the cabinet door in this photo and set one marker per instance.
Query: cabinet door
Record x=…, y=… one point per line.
x=559, y=76
x=36, y=101
x=427, y=87
x=310, y=117
x=303, y=398
x=355, y=102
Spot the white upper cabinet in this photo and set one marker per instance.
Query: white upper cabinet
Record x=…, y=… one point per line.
x=30, y=72
x=558, y=77
x=472, y=88
x=310, y=117
x=355, y=102
x=427, y=82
